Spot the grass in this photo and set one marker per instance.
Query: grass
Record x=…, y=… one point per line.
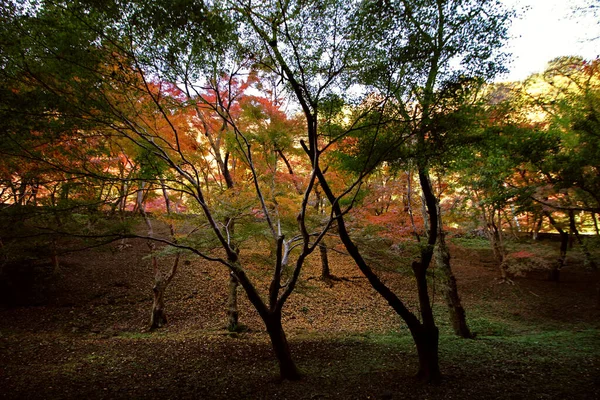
x=565, y=343
x=556, y=364
x=513, y=365
x=472, y=243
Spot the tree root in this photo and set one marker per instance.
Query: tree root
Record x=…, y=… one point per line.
x=507, y=281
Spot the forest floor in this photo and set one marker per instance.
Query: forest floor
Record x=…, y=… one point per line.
x=81, y=332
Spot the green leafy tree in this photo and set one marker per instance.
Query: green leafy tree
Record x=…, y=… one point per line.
x=424, y=59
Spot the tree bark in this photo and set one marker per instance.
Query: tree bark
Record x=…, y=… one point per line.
x=272, y=320
x=456, y=311
x=232, y=310
x=588, y=260
x=554, y=274
x=409, y=205
x=163, y=187
x=425, y=333
x=325, y=271
x=426, y=340
x=595, y=224
x=158, y=317
x=420, y=267
x=233, y=313
x=287, y=367
x=495, y=236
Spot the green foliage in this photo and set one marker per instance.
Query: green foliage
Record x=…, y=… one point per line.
x=487, y=327
x=375, y=138
x=570, y=101
x=180, y=40
x=475, y=243
x=151, y=166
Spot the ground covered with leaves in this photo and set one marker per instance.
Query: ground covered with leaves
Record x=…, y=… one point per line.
x=81, y=331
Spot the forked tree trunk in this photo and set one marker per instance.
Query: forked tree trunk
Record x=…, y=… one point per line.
x=271, y=317
x=494, y=235
x=158, y=317
x=425, y=333
x=232, y=306
x=287, y=367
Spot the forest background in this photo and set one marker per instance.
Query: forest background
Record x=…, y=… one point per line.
x=242, y=137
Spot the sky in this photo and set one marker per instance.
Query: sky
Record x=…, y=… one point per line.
x=549, y=29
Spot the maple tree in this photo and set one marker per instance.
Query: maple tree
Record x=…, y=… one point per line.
x=294, y=38
x=133, y=105
x=427, y=90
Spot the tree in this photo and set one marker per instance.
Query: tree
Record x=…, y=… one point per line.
x=422, y=61
x=315, y=46
x=129, y=101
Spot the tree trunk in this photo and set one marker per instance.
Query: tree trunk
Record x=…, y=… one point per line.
x=232, y=310
x=325, y=272
x=450, y=289
x=494, y=234
x=588, y=260
x=426, y=340
x=554, y=274
x=595, y=224
x=537, y=227
x=158, y=318
x=425, y=334
x=163, y=187
x=232, y=293
x=428, y=344
x=287, y=367
x=409, y=205
x=54, y=258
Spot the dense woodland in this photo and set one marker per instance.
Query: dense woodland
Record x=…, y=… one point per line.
x=280, y=148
